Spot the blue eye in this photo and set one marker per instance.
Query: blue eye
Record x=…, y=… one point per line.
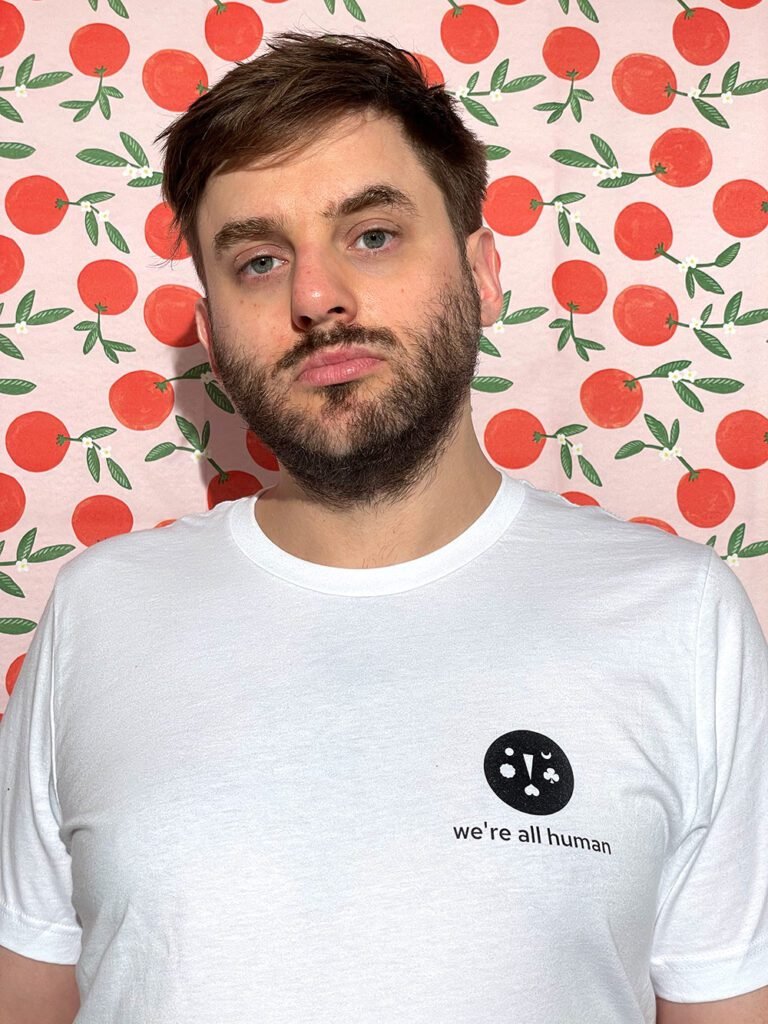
x=258, y=264
x=377, y=233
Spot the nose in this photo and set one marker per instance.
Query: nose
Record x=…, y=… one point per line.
x=321, y=294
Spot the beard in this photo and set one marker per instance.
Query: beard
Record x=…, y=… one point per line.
x=365, y=441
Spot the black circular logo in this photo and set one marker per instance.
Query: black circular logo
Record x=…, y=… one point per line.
x=529, y=771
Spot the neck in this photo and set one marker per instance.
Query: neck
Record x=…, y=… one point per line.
x=455, y=493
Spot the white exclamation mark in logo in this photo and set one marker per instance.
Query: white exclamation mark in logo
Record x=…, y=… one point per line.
x=530, y=789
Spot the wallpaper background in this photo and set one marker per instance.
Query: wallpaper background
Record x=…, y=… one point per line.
x=628, y=149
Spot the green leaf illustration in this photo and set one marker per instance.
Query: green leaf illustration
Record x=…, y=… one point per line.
x=10, y=586
x=15, y=626
x=522, y=83
x=570, y=429
x=571, y=158
x=118, y=475
x=688, y=396
x=736, y=539
x=588, y=11
x=589, y=470
x=160, y=451
x=712, y=344
x=658, y=430
x=674, y=434
x=15, y=150
x=92, y=226
x=15, y=386
x=703, y=280
x=728, y=255
x=630, y=448
x=754, y=316
x=566, y=460
x=115, y=237
x=586, y=239
x=754, y=85
x=524, y=316
x=49, y=316
x=719, y=385
x=752, y=550
x=712, y=114
x=24, y=307
x=218, y=397
x=499, y=74
x=26, y=544
x=354, y=9
x=604, y=151
x=729, y=78
x=732, y=309
x=134, y=149
x=189, y=431
x=491, y=384
x=504, y=304
x=93, y=464
x=47, y=79
x=24, y=70
x=51, y=552
x=496, y=152
x=666, y=368
x=206, y=435
x=479, y=111
x=564, y=227
x=6, y=110
x=101, y=158
x=623, y=179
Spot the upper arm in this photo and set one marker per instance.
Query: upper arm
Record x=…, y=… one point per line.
x=35, y=992
x=750, y=1008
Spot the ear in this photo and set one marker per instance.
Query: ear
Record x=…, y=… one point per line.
x=204, y=330
x=484, y=261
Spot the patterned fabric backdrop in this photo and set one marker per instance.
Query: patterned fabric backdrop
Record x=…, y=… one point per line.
x=628, y=149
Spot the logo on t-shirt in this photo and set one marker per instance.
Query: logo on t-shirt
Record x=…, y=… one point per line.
x=529, y=771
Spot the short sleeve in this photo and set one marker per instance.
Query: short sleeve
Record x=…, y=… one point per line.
x=37, y=918
x=711, y=934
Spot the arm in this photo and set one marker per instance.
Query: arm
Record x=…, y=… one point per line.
x=35, y=992
x=751, y=1008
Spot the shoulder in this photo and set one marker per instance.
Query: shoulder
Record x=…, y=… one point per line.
x=156, y=553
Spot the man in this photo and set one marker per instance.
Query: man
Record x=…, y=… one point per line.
x=400, y=738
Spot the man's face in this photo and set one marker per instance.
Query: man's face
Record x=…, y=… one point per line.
x=382, y=271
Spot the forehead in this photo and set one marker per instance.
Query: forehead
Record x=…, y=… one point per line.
x=312, y=179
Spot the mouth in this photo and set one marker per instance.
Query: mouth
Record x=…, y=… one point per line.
x=339, y=372
x=331, y=356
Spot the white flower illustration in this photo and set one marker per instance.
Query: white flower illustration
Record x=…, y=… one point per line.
x=727, y=97
x=689, y=374
x=86, y=205
x=196, y=455
x=20, y=90
x=495, y=96
x=498, y=327
x=22, y=565
x=21, y=327
x=106, y=451
x=676, y=450
x=87, y=441
x=690, y=261
x=206, y=375
x=600, y=172
x=575, y=216
x=730, y=327
x=732, y=560
x=145, y=171
x=614, y=172
x=103, y=215
x=665, y=454
x=578, y=449
x=561, y=438
x=558, y=207
x=675, y=375
x=694, y=94
x=696, y=324
x=462, y=92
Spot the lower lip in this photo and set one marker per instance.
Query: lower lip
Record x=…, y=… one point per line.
x=336, y=373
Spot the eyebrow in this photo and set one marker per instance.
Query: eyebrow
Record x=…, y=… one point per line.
x=245, y=230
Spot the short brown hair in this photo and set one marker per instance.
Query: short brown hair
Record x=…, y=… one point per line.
x=285, y=98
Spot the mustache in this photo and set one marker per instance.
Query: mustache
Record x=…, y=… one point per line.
x=343, y=335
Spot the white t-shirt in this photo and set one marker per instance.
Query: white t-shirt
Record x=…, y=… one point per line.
x=523, y=777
